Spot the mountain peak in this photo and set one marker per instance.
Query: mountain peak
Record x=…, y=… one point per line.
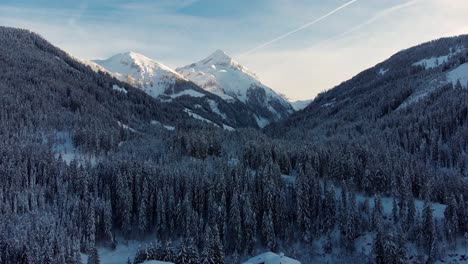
x=220, y=53
x=134, y=57
x=222, y=75
x=219, y=57
x=130, y=60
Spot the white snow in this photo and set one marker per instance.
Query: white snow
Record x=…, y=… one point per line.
x=382, y=71
x=149, y=75
x=119, y=89
x=193, y=115
x=261, y=122
x=430, y=86
x=63, y=147
x=123, y=251
x=223, y=76
x=459, y=74
x=214, y=107
x=155, y=122
x=300, y=104
x=387, y=203
x=228, y=128
x=94, y=66
x=170, y=128
x=191, y=93
x=271, y=258
x=156, y=262
x=423, y=91
x=126, y=127
x=434, y=62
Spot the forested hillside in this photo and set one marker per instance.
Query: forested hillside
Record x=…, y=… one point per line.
x=401, y=123
x=364, y=174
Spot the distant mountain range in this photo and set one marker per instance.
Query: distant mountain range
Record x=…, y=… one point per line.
x=218, y=75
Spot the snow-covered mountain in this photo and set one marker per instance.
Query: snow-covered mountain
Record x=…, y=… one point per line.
x=223, y=76
x=165, y=84
x=153, y=77
x=300, y=104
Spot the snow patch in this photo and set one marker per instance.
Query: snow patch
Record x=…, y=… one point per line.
x=126, y=127
x=170, y=128
x=228, y=128
x=328, y=104
x=119, y=89
x=387, y=203
x=124, y=250
x=63, y=147
x=261, y=121
x=271, y=258
x=214, y=107
x=434, y=62
x=193, y=115
x=460, y=74
x=300, y=104
x=191, y=93
x=423, y=91
x=382, y=71
x=156, y=262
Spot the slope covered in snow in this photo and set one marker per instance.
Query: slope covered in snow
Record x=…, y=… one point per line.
x=459, y=75
x=433, y=62
x=300, y=104
x=142, y=72
x=161, y=82
x=223, y=76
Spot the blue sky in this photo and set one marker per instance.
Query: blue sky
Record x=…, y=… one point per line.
x=179, y=32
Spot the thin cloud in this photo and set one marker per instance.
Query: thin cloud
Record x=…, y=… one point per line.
x=376, y=17
x=307, y=25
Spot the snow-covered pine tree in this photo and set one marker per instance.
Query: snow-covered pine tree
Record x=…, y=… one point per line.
x=428, y=234
x=234, y=222
x=451, y=219
x=351, y=224
x=169, y=252
x=249, y=225
x=93, y=257
x=268, y=231
x=379, y=247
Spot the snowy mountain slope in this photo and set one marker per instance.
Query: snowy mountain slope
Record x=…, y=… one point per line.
x=223, y=76
x=300, y=104
x=142, y=72
x=161, y=82
x=392, y=97
x=434, y=62
x=459, y=76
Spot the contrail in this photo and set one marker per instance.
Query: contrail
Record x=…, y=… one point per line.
x=299, y=28
x=376, y=17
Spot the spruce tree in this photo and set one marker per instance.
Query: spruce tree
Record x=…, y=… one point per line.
x=93, y=257
x=428, y=234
